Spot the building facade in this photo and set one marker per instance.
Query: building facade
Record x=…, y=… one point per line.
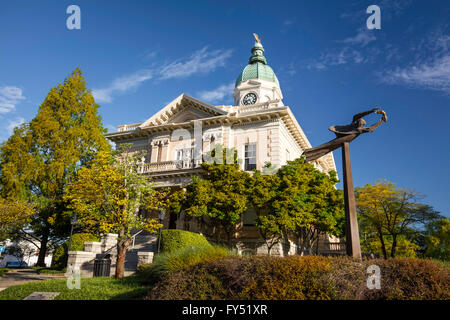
x=259, y=126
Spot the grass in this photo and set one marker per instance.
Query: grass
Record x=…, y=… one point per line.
x=44, y=270
x=99, y=288
x=3, y=271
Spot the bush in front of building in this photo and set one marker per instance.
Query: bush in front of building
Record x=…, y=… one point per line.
x=304, y=278
x=59, y=259
x=411, y=279
x=166, y=263
x=173, y=240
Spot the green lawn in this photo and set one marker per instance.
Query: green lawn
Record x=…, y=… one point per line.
x=100, y=288
x=44, y=270
x=3, y=271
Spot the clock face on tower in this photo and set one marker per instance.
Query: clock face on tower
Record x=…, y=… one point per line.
x=249, y=98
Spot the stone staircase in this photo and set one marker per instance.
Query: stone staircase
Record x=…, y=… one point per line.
x=141, y=244
x=141, y=252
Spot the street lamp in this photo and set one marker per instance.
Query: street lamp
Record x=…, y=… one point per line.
x=161, y=214
x=73, y=221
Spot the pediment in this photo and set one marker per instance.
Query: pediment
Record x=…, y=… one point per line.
x=183, y=109
x=188, y=114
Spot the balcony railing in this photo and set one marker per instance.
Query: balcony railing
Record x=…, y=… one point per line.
x=248, y=109
x=257, y=107
x=336, y=246
x=127, y=127
x=168, y=166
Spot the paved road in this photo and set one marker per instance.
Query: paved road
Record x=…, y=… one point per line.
x=15, y=277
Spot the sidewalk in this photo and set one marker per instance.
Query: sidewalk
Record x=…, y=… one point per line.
x=20, y=276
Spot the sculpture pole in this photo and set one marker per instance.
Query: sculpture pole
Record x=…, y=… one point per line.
x=344, y=135
x=351, y=223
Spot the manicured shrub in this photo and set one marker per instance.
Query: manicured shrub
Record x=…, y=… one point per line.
x=208, y=281
x=309, y=277
x=59, y=259
x=411, y=279
x=168, y=262
x=294, y=277
x=347, y=278
x=173, y=240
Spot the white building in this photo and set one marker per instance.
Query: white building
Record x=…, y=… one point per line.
x=259, y=126
x=30, y=254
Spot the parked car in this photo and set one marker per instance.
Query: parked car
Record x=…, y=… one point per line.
x=16, y=264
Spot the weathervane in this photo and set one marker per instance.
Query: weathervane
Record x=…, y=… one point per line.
x=344, y=135
x=257, y=38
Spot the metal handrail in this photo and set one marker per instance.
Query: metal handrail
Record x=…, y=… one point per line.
x=134, y=238
x=102, y=255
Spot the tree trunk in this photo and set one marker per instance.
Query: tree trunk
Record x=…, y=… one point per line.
x=383, y=246
x=186, y=223
x=42, y=251
x=229, y=242
x=310, y=247
x=122, y=247
x=271, y=243
x=317, y=241
x=394, y=246
x=300, y=245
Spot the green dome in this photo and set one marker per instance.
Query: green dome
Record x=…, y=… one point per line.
x=257, y=67
x=257, y=71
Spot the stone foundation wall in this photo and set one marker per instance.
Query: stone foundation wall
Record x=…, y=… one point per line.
x=84, y=260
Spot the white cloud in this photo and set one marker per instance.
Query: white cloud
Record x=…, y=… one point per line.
x=217, y=94
x=9, y=127
x=14, y=123
x=202, y=61
x=340, y=57
x=431, y=68
x=434, y=75
x=121, y=85
x=363, y=37
x=10, y=96
x=354, y=50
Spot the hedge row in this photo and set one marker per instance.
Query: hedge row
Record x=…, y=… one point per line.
x=301, y=278
x=173, y=240
x=59, y=259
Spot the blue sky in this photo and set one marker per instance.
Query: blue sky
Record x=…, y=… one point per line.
x=139, y=55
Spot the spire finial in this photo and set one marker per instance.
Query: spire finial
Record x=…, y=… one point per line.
x=257, y=52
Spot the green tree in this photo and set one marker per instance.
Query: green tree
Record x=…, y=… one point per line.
x=388, y=214
x=308, y=203
x=437, y=239
x=264, y=189
x=108, y=194
x=406, y=246
x=218, y=198
x=13, y=216
x=42, y=157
